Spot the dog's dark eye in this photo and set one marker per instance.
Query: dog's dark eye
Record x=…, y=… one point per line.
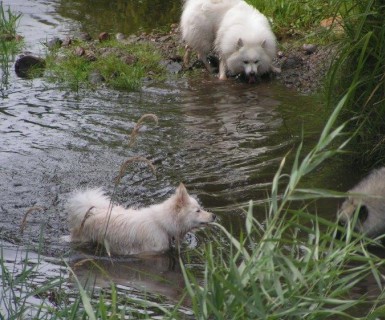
x=245, y=62
x=363, y=213
x=198, y=210
x=256, y=61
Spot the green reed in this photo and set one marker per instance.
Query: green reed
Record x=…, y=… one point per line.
x=8, y=44
x=360, y=64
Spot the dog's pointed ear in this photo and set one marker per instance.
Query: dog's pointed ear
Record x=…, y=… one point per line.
x=263, y=44
x=239, y=43
x=182, y=197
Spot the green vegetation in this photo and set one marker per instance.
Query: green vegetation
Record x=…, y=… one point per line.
x=9, y=42
x=299, y=18
x=360, y=65
x=8, y=23
x=118, y=65
x=290, y=266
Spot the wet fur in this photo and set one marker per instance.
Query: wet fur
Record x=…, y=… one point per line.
x=368, y=197
x=239, y=34
x=133, y=231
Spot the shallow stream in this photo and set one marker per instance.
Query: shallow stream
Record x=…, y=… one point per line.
x=224, y=140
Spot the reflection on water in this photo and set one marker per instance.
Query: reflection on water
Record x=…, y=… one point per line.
x=126, y=16
x=154, y=274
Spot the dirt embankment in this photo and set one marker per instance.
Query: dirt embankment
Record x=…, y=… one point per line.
x=303, y=68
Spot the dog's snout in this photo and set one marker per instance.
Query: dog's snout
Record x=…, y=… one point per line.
x=214, y=217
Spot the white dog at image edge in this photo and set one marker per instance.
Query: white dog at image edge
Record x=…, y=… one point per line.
x=131, y=231
x=238, y=33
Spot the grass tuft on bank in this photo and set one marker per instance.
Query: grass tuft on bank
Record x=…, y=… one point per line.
x=117, y=65
x=10, y=43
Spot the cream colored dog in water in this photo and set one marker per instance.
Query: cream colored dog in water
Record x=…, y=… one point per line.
x=368, y=199
x=131, y=231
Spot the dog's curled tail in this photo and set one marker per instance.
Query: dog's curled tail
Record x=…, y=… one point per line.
x=83, y=202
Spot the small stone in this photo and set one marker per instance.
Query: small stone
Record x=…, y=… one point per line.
x=164, y=38
x=29, y=66
x=120, y=36
x=54, y=43
x=172, y=66
x=79, y=51
x=129, y=59
x=85, y=36
x=291, y=62
x=309, y=48
x=90, y=55
x=280, y=54
x=104, y=36
x=95, y=77
x=67, y=41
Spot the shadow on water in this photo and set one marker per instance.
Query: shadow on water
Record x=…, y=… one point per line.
x=224, y=140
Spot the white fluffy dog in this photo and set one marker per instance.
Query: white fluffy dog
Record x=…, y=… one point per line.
x=239, y=34
x=132, y=231
x=368, y=199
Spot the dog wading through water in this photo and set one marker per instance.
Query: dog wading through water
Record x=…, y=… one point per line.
x=131, y=231
x=238, y=33
x=368, y=197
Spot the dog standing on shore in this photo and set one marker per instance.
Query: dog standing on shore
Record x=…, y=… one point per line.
x=131, y=231
x=238, y=33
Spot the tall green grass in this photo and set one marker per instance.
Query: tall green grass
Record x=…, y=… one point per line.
x=8, y=23
x=360, y=64
x=298, y=18
x=8, y=44
x=291, y=265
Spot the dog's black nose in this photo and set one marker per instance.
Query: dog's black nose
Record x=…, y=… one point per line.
x=214, y=217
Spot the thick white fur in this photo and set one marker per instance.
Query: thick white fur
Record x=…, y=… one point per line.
x=240, y=34
x=245, y=42
x=369, y=193
x=133, y=231
x=199, y=23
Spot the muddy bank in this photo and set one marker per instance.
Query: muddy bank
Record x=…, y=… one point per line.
x=303, y=67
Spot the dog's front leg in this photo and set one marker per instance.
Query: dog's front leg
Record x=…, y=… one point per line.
x=203, y=57
x=186, y=57
x=222, y=70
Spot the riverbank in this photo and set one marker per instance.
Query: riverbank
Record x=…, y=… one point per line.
x=125, y=62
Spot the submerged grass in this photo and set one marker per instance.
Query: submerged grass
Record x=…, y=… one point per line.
x=118, y=65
